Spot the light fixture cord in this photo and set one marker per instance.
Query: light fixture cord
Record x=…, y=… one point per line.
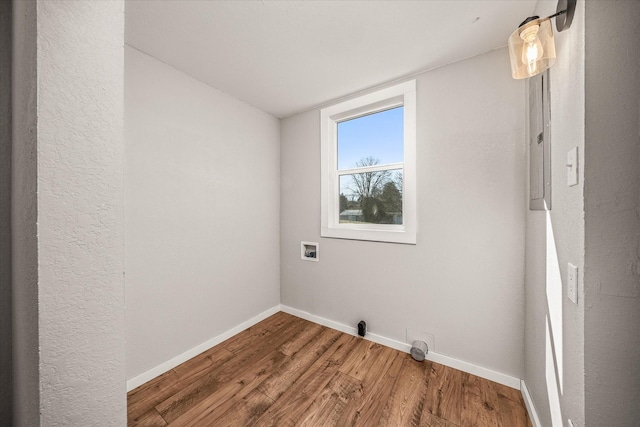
x=557, y=14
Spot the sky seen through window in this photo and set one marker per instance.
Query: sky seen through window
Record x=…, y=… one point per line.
x=379, y=135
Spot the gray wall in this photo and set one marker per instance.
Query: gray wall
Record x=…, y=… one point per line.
x=67, y=185
x=463, y=281
x=201, y=212
x=6, y=388
x=591, y=374
x=24, y=202
x=612, y=214
x=554, y=332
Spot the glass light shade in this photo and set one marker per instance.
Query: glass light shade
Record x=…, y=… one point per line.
x=532, y=49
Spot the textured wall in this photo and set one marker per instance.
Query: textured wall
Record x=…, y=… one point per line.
x=612, y=214
x=24, y=250
x=202, y=212
x=554, y=326
x=69, y=299
x=80, y=212
x=6, y=388
x=463, y=281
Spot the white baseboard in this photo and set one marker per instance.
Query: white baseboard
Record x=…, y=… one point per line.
x=170, y=364
x=480, y=371
x=531, y=409
x=398, y=345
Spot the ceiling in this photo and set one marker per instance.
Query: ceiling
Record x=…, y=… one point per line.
x=285, y=57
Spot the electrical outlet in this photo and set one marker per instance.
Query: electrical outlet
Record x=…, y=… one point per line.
x=572, y=283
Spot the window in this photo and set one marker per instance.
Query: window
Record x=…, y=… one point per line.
x=368, y=167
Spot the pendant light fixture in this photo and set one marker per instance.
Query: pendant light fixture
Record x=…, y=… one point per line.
x=531, y=47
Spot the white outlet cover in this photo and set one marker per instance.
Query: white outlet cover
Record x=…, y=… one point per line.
x=413, y=335
x=572, y=283
x=572, y=167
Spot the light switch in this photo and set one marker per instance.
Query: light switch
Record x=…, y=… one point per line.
x=572, y=283
x=572, y=167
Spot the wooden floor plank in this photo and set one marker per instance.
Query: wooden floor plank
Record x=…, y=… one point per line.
x=287, y=374
x=511, y=407
x=358, y=364
x=216, y=401
x=404, y=407
x=286, y=371
x=244, y=411
x=444, y=393
x=479, y=403
x=147, y=396
x=308, y=333
x=257, y=332
x=143, y=399
x=429, y=420
x=221, y=401
x=370, y=411
x=290, y=407
x=150, y=418
x=212, y=380
x=150, y=394
x=376, y=383
x=211, y=358
x=239, y=377
x=328, y=406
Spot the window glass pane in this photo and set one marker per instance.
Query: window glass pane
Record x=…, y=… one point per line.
x=374, y=139
x=371, y=197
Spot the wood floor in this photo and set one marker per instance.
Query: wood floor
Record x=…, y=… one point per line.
x=287, y=371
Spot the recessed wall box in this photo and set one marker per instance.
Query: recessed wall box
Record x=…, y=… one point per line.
x=310, y=251
x=539, y=143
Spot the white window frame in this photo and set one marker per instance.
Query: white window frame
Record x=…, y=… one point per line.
x=403, y=94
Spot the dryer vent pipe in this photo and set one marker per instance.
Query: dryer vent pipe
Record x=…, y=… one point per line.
x=419, y=350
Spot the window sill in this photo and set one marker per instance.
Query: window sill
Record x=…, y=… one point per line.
x=404, y=237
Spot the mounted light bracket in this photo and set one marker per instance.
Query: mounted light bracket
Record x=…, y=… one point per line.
x=564, y=14
x=532, y=47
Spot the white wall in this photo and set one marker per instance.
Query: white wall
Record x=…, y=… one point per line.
x=67, y=217
x=554, y=332
x=5, y=213
x=612, y=214
x=463, y=281
x=202, y=209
